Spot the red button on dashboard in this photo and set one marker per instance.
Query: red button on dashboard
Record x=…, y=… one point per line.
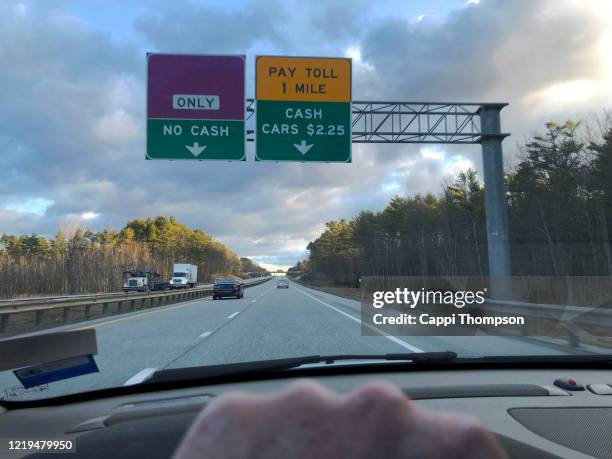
x=568, y=384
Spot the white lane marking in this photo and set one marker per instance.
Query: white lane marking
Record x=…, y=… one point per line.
x=140, y=376
x=206, y=334
x=404, y=344
x=253, y=301
x=231, y=316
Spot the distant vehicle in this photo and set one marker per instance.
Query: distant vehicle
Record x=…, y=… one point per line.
x=282, y=283
x=228, y=287
x=141, y=281
x=184, y=276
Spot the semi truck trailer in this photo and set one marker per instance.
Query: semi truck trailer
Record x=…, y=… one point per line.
x=142, y=281
x=184, y=276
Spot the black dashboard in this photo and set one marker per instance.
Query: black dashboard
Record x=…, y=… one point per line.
x=530, y=415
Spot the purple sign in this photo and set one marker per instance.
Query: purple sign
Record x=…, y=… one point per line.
x=195, y=87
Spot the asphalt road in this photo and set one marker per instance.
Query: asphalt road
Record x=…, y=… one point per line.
x=267, y=323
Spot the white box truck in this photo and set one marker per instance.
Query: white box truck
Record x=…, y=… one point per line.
x=184, y=276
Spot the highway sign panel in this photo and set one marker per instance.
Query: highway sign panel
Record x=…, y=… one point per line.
x=303, y=109
x=303, y=131
x=320, y=79
x=195, y=107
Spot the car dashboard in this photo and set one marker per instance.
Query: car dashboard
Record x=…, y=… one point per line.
x=530, y=415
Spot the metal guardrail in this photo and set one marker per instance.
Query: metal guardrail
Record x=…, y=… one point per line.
x=567, y=316
x=30, y=299
x=601, y=317
x=123, y=302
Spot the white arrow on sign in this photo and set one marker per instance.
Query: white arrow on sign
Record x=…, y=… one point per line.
x=303, y=147
x=195, y=149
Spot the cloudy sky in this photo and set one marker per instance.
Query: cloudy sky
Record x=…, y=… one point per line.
x=72, y=104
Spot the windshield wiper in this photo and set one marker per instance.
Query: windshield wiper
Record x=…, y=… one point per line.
x=266, y=366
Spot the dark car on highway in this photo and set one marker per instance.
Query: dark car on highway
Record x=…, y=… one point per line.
x=228, y=287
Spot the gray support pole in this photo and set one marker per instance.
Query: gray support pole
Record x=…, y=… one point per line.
x=495, y=200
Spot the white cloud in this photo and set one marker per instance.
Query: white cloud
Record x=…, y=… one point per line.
x=391, y=187
x=432, y=153
x=354, y=52
x=89, y=215
x=20, y=9
x=566, y=93
x=73, y=122
x=118, y=127
x=457, y=164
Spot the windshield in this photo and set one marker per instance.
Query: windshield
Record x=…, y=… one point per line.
x=414, y=176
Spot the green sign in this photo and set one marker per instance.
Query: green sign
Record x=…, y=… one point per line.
x=303, y=131
x=195, y=107
x=195, y=139
x=303, y=109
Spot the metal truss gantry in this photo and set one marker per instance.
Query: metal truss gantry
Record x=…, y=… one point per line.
x=415, y=122
x=444, y=123
x=450, y=123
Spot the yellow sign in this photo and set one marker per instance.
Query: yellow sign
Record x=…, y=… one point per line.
x=312, y=79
